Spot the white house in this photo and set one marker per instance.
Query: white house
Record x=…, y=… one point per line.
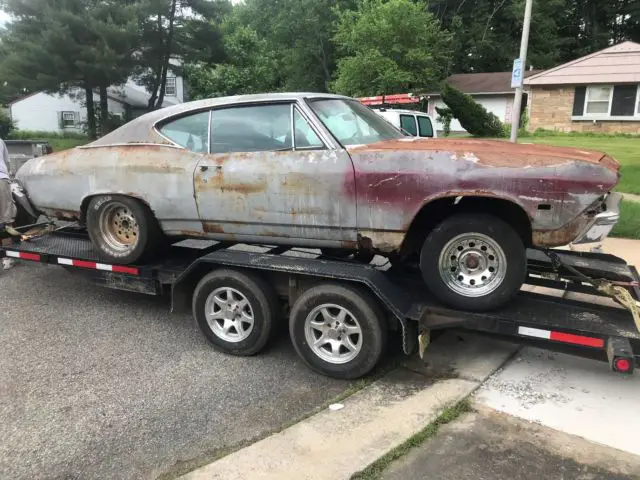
x=491, y=90
x=67, y=113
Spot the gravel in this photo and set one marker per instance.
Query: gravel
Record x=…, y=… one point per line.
x=98, y=383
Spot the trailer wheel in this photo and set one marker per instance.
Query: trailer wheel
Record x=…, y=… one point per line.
x=338, y=330
x=235, y=311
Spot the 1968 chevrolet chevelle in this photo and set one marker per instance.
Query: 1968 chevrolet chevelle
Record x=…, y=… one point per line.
x=324, y=171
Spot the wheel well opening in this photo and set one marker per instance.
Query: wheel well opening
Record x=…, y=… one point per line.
x=84, y=206
x=435, y=212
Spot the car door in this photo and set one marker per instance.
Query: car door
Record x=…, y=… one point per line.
x=270, y=177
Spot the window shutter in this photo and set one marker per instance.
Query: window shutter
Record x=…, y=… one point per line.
x=76, y=118
x=578, y=101
x=60, y=122
x=624, y=100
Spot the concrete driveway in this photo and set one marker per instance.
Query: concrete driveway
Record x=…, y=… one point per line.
x=97, y=383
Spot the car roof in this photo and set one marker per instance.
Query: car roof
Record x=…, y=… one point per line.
x=141, y=129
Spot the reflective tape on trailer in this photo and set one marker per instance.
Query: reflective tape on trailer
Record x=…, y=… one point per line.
x=561, y=337
x=98, y=266
x=23, y=255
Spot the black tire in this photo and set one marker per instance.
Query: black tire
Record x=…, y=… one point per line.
x=263, y=304
x=363, y=308
x=496, y=229
x=150, y=237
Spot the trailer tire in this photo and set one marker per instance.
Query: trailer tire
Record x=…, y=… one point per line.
x=241, y=303
x=332, y=311
x=473, y=262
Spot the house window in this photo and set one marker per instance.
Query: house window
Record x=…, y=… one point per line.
x=170, y=89
x=607, y=102
x=598, y=101
x=68, y=119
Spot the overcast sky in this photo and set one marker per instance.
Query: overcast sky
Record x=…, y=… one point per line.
x=3, y=17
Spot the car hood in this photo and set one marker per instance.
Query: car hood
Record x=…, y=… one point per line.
x=495, y=153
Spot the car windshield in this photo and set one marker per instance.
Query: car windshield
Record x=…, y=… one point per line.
x=352, y=123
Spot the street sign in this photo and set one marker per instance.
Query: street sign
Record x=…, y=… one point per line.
x=516, y=74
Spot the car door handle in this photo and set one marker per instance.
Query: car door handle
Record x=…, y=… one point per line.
x=204, y=168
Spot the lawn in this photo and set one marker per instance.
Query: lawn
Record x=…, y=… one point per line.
x=59, y=144
x=624, y=149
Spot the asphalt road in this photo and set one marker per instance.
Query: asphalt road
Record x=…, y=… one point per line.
x=96, y=383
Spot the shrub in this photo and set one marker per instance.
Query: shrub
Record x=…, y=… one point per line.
x=6, y=124
x=473, y=117
x=39, y=134
x=445, y=116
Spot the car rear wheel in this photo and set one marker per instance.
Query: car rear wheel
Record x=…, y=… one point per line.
x=122, y=229
x=473, y=262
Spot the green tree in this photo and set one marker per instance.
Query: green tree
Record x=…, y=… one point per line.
x=60, y=47
x=473, y=117
x=388, y=47
x=183, y=30
x=252, y=67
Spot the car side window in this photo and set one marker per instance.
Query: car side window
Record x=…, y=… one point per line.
x=190, y=131
x=408, y=123
x=425, y=126
x=253, y=128
x=305, y=137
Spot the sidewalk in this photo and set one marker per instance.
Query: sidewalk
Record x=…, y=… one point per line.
x=488, y=445
x=338, y=442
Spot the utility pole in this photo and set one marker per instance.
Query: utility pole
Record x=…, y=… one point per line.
x=524, y=43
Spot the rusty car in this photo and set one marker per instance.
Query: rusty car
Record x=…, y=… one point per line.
x=325, y=171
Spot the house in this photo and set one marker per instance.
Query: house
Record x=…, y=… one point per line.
x=595, y=93
x=491, y=90
x=67, y=113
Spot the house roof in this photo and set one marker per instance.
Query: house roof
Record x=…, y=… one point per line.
x=485, y=83
x=617, y=64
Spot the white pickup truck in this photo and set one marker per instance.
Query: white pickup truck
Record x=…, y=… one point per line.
x=414, y=123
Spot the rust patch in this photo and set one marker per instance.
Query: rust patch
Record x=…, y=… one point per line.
x=299, y=183
x=307, y=211
x=61, y=214
x=217, y=182
x=561, y=236
x=210, y=227
x=271, y=233
x=495, y=153
x=380, y=241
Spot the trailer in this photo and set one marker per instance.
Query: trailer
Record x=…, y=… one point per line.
x=341, y=311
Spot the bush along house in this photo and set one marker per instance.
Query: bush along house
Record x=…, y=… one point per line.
x=596, y=93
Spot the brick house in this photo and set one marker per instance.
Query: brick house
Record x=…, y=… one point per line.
x=596, y=93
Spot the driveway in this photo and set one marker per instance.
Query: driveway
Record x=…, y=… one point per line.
x=104, y=384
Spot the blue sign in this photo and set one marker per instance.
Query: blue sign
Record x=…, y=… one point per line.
x=516, y=74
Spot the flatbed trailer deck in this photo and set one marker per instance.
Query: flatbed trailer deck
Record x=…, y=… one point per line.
x=589, y=327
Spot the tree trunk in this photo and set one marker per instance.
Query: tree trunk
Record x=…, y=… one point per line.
x=151, y=104
x=104, y=111
x=167, y=54
x=91, y=114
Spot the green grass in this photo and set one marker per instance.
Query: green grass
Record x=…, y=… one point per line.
x=625, y=149
x=629, y=224
x=375, y=470
x=59, y=144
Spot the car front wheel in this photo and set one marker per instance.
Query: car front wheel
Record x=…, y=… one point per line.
x=473, y=262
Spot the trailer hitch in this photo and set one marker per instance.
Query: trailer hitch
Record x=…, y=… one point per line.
x=613, y=289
